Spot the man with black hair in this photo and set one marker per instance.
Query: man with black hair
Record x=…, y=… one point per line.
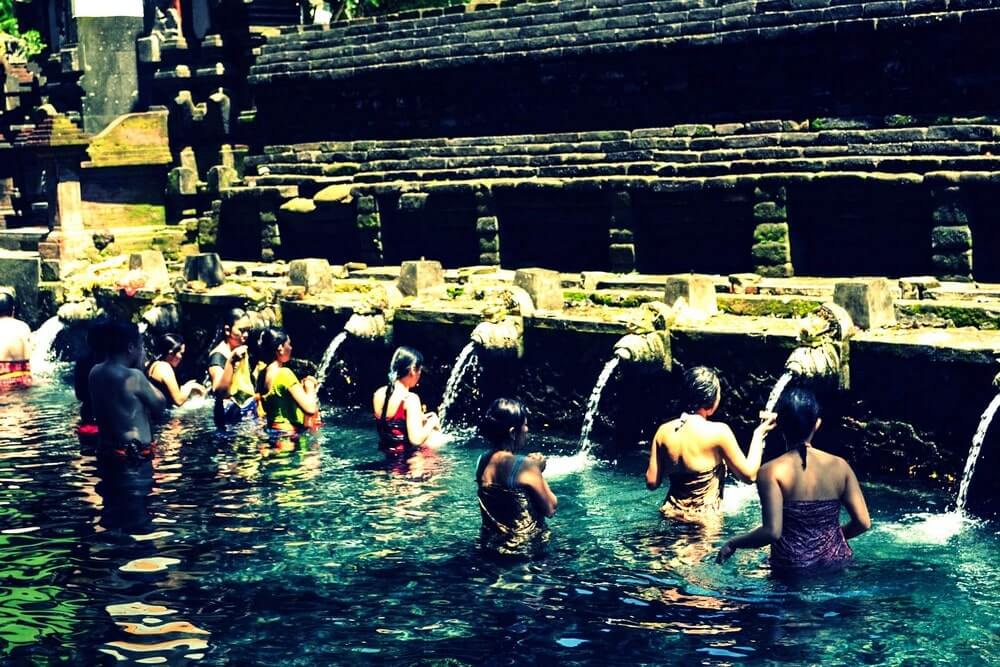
x=15, y=346
x=122, y=397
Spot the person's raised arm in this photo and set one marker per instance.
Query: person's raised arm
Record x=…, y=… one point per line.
x=854, y=502
x=306, y=400
x=147, y=394
x=654, y=472
x=744, y=467
x=221, y=372
x=418, y=427
x=531, y=477
x=771, y=519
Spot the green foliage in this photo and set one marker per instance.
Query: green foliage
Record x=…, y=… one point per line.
x=12, y=40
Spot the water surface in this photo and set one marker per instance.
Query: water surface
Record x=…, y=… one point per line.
x=228, y=552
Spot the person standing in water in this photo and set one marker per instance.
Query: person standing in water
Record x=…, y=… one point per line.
x=122, y=398
x=514, y=498
x=400, y=420
x=289, y=406
x=169, y=350
x=229, y=371
x=801, y=493
x=693, y=453
x=15, y=347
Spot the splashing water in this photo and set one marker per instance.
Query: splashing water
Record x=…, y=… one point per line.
x=779, y=387
x=43, y=356
x=462, y=364
x=329, y=356
x=594, y=403
x=977, y=446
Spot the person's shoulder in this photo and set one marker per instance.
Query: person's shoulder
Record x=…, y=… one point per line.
x=720, y=430
x=775, y=468
x=22, y=326
x=286, y=375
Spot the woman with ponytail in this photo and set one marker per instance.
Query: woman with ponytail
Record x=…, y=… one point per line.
x=400, y=420
x=801, y=493
x=694, y=452
x=289, y=405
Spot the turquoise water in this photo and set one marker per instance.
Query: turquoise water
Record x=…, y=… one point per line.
x=226, y=552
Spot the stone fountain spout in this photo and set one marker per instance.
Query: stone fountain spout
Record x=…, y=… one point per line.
x=648, y=351
x=501, y=337
x=823, y=351
x=372, y=327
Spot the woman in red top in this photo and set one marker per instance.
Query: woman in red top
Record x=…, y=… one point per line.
x=400, y=419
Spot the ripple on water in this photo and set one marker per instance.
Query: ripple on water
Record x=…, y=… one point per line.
x=148, y=565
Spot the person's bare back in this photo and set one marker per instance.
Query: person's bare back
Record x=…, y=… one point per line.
x=15, y=340
x=122, y=397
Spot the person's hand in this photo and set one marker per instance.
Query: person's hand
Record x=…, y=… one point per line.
x=238, y=355
x=725, y=553
x=538, y=459
x=767, y=423
x=432, y=421
x=310, y=384
x=194, y=388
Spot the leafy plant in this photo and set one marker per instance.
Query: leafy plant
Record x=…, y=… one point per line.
x=19, y=45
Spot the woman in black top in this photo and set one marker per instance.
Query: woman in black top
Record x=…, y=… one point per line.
x=169, y=350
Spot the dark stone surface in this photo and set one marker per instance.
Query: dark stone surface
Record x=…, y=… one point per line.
x=110, y=80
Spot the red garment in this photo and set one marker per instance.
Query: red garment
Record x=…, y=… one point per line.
x=393, y=437
x=15, y=374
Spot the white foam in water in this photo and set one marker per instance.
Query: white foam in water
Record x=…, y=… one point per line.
x=43, y=357
x=455, y=379
x=737, y=496
x=927, y=528
x=594, y=403
x=329, y=356
x=557, y=466
x=977, y=446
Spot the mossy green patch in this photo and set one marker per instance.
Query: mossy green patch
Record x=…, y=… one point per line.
x=618, y=299
x=765, y=307
x=979, y=318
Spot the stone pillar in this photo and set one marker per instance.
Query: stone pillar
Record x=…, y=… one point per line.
x=869, y=301
x=487, y=228
x=772, y=252
x=544, y=286
x=270, y=233
x=421, y=278
x=369, y=226
x=951, y=237
x=697, y=290
x=107, y=31
x=621, y=237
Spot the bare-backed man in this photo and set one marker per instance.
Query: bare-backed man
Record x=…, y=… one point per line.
x=122, y=397
x=15, y=346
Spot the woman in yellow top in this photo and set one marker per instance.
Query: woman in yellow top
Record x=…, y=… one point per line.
x=289, y=405
x=229, y=371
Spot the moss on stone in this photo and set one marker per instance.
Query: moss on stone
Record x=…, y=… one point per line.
x=622, y=299
x=763, y=307
x=455, y=291
x=575, y=296
x=979, y=318
x=900, y=120
x=368, y=221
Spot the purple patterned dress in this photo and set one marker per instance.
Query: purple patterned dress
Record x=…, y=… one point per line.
x=810, y=536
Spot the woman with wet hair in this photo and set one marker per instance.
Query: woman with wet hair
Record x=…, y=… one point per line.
x=288, y=404
x=168, y=350
x=693, y=452
x=400, y=419
x=801, y=493
x=514, y=498
x=229, y=371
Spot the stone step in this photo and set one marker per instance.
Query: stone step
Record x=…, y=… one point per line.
x=568, y=33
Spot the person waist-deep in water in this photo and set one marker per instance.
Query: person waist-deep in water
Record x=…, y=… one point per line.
x=801, y=493
x=168, y=351
x=229, y=371
x=694, y=452
x=400, y=420
x=122, y=397
x=289, y=406
x=514, y=498
x=95, y=354
x=15, y=347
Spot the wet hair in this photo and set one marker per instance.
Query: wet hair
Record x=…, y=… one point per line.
x=503, y=415
x=254, y=347
x=229, y=318
x=119, y=336
x=6, y=304
x=404, y=359
x=166, y=345
x=701, y=388
x=797, y=412
x=270, y=340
